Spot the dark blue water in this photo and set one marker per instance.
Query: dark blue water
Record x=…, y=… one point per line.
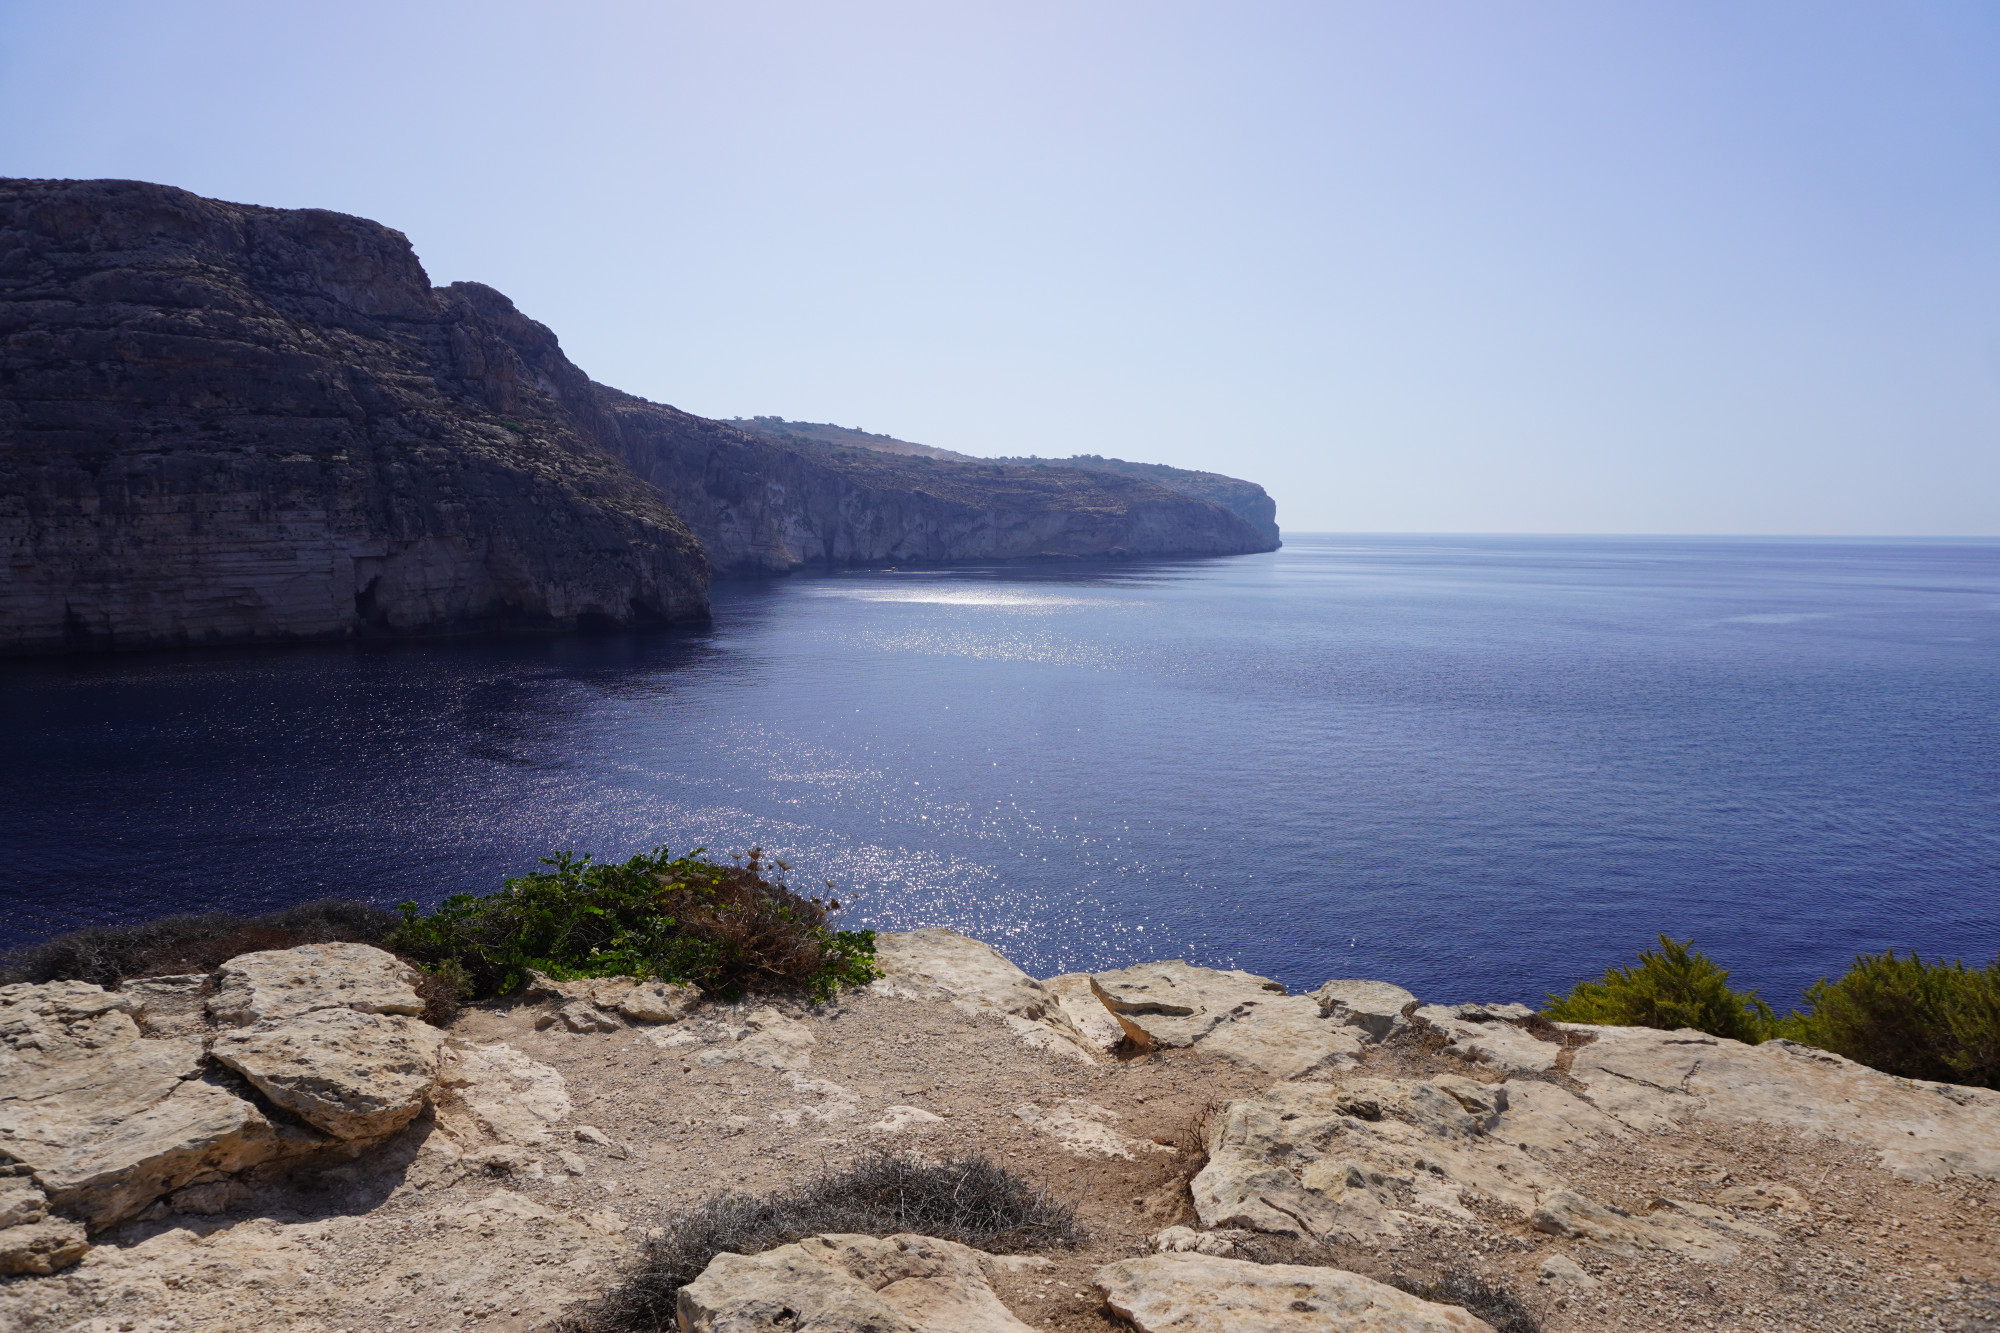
x=1480, y=767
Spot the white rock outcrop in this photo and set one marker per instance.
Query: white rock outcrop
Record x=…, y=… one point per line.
x=107, y=1120
x=1199, y=1293
x=940, y=964
x=284, y=983
x=1085, y=1129
x=1491, y=1034
x=849, y=1284
x=1086, y=1013
x=763, y=1037
x=1376, y=1007
x=1239, y=1015
x=1371, y=1159
x=325, y=1031
x=1648, y=1079
x=353, y=1075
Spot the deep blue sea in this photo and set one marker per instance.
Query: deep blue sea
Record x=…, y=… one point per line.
x=1479, y=767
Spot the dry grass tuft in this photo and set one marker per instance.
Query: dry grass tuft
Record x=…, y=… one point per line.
x=971, y=1200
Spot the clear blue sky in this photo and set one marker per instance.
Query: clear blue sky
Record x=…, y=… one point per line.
x=1699, y=266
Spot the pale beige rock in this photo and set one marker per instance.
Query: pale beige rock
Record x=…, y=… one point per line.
x=940, y=964
x=1367, y=1160
x=583, y=1016
x=284, y=983
x=1186, y=1240
x=1559, y=1270
x=899, y=1118
x=108, y=1121
x=1244, y=1017
x=763, y=1037
x=1376, y=1007
x=1763, y=1195
x=496, y=1094
x=659, y=1002
x=1079, y=1003
x=835, y=1102
x=1568, y=1214
x=21, y=1200
x=356, y=1075
x=167, y=1006
x=47, y=1246
x=1649, y=1080
x=42, y=1022
x=1085, y=1129
x=1715, y=1219
x=849, y=1284
x=1196, y=1293
x=1484, y=1032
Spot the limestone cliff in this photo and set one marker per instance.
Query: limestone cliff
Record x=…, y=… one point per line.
x=766, y=505
x=1246, y=499
x=226, y=422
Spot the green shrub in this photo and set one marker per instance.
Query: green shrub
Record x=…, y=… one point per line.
x=1905, y=1016
x=724, y=928
x=1674, y=988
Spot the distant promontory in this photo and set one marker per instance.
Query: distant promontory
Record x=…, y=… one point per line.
x=221, y=422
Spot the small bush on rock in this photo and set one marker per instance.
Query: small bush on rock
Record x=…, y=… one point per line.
x=1905, y=1016
x=192, y=943
x=1674, y=988
x=970, y=1200
x=725, y=928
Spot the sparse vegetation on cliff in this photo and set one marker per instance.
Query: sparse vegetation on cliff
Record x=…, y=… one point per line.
x=197, y=942
x=725, y=928
x=1904, y=1016
x=1938, y=1021
x=971, y=1200
x=728, y=929
x=1674, y=988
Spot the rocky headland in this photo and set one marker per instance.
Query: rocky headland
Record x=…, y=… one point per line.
x=221, y=422
x=285, y=1144
x=1246, y=499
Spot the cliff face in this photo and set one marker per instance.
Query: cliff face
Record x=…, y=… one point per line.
x=764, y=505
x=1246, y=499
x=221, y=422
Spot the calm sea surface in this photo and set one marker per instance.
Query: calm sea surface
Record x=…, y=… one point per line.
x=1479, y=767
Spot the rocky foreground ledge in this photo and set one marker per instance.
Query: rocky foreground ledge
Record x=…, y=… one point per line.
x=285, y=1144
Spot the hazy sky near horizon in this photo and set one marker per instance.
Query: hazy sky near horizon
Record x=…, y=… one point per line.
x=1690, y=267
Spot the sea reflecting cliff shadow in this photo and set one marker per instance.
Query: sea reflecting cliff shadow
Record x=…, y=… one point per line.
x=1486, y=765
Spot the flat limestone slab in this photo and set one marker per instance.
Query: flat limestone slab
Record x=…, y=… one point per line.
x=355, y=1075
x=109, y=1121
x=282, y=983
x=1199, y=1293
x=1485, y=1033
x=1371, y=1159
x=1240, y=1015
x=849, y=1284
x=1376, y=1007
x=1649, y=1079
x=940, y=964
